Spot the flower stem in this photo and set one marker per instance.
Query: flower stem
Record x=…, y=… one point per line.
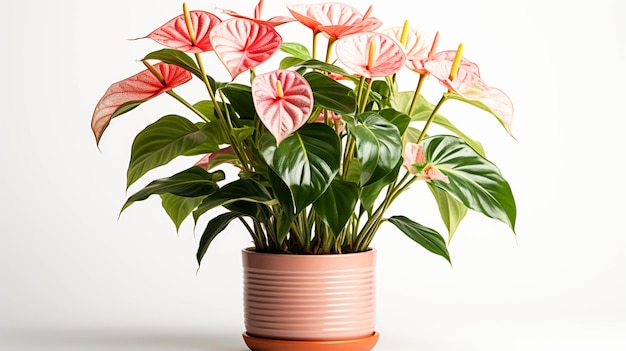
x=430, y=119
x=416, y=95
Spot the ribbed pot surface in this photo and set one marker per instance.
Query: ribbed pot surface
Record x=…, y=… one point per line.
x=309, y=297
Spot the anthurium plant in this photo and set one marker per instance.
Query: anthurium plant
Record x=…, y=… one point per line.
x=320, y=147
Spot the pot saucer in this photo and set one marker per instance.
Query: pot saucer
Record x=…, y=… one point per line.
x=262, y=344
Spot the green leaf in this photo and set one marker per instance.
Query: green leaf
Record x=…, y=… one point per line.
x=127, y=106
x=212, y=131
x=379, y=146
x=161, y=142
x=452, y=211
x=192, y=182
x=330, y=94
x=179, y=207
x=402, y=102
x=398, y=119
x=317, y=65
x=213, y=228
x=240, y=98
x=474, y=180
x=175, y=57
x=306, y=161
x=238, y=190
x=289, y=62
x=337, y=204
x=370, y=193
x=296, y=49
x=428, y=238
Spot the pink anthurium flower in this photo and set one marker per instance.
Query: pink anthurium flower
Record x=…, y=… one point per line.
x=174, y=33
x=370, y=54
x=283, y=100
x=416, y=46
x=274, y=21
x=414, y=154
x=431, y=172
x=469, y=85
x=141, y=87
x=242, y=44
x=334, y=19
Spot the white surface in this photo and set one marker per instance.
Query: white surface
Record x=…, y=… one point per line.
x=73, y=277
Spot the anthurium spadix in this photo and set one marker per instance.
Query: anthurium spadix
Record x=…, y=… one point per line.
x=242, y=44
x=415, y=43
x=283, y=100
x=370, y=54
x=469, y=86
x=175, y=34
x=127, y=94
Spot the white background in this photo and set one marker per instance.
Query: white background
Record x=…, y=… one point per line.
x=74, y=277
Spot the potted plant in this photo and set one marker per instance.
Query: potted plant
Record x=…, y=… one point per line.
x=322, y=148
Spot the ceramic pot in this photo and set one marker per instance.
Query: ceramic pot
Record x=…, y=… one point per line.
x=307, y=302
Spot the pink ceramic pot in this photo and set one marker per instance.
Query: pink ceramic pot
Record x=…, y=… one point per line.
x=309, y=297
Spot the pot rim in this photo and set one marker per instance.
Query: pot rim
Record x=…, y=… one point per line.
x=251, y=250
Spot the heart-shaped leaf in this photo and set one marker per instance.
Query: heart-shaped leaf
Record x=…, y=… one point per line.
x=378, y=144
x=174, y=33
x=283, y=100
x=242, y=44
x=135, y=90
x=306, y=161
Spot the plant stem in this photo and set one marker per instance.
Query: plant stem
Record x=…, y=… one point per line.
x=416, y=95
x=188, y=105
x=430, y=119
x=329, y=49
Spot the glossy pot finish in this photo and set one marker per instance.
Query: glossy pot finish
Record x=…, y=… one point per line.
x=309, y=297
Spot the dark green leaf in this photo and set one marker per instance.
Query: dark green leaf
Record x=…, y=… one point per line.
x=370, y=193
x=161, y=142
x=192, y=182
x=337, y=204
x=213, y=228
x=240, y=98
x=474, y=180
x=317, y=65
x=238, y=190
x=379, y=146
x=330, y=94
x=306, y=161
x=398, y=119
x=428, y=238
